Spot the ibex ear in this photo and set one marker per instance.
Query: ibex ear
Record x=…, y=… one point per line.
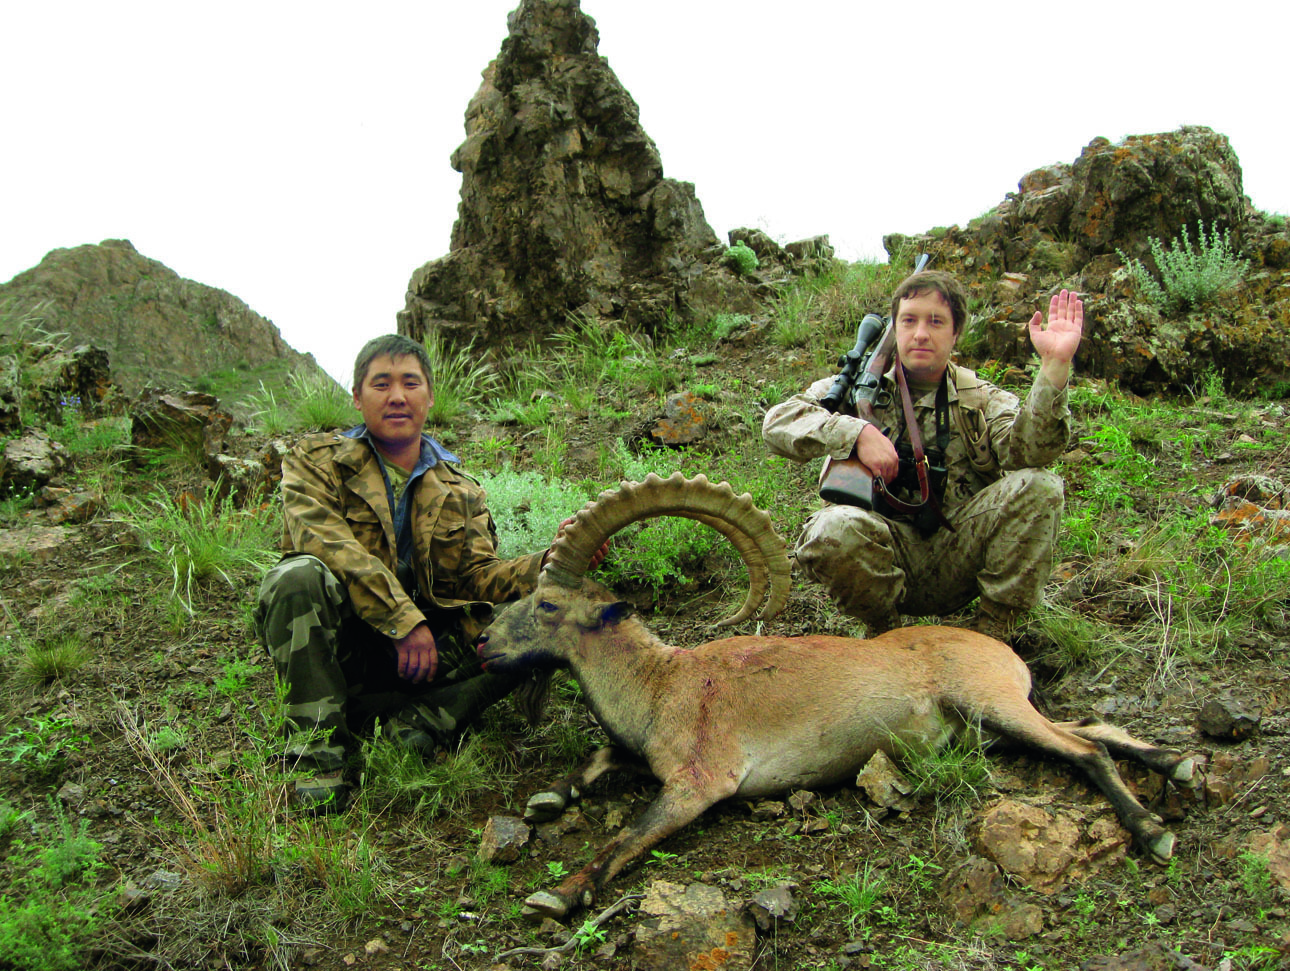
x=615, y=612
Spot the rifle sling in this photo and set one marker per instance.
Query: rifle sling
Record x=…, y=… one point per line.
x=920, y=459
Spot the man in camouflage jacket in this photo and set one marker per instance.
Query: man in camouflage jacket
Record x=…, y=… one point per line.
x=389, y=573
x=1005, y=509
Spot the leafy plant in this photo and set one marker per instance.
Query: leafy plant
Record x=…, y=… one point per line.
x=723, y=325
x=741, y=258
x=1190, y=275
x=528, y=507
x=43, y=746
x=50, y=913
x=1255, y=877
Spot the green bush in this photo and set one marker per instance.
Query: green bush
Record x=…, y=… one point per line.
x=1190, y=276
x=741, y=258
x=528, y=508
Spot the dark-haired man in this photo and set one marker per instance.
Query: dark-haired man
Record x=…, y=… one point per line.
x=388, y=575
x=1003, y=506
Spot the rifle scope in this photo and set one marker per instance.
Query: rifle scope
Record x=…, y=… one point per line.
x=851, y=363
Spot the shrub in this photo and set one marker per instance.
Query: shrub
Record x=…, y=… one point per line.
x=528, y=507
x=1190, y=276
x=741, y=258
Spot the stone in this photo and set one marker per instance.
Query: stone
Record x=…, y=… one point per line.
x=29, y=462
x=1274, y=846
x=65, y=506
x=692, y=927
x=1045, y=849
x=564, y=205
x=769, y=907
x=503, y=839
x=243, y=481
x=188, y=422
x=973, y=888
x=684, y=421
x=1227, y=719
x=883, y=783
x=1226, y=775
x=39, y=544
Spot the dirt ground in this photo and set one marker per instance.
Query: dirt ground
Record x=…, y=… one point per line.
x=1210, y=908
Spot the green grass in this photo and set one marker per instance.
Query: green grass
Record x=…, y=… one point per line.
x=462, y=380
x=55, y=658
x=859, y=895
x=198, y=541
x=396, y=778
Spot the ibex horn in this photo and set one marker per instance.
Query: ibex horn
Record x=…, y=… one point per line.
x=735, y=517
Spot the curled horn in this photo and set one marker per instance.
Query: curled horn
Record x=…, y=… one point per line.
x=735, y=517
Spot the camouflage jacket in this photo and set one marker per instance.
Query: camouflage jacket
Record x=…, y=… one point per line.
x=991, y=431
x=335, y=506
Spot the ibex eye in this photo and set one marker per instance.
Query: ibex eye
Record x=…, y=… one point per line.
x=546, y=605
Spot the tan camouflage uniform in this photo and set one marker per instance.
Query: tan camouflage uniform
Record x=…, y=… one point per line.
x=1005, y=509
x=330, y=610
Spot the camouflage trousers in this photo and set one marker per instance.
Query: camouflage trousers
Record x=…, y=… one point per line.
x=1001, y=550
x=341, y=674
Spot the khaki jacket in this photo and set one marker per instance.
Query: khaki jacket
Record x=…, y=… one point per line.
x=335, y=507
x=991, y=431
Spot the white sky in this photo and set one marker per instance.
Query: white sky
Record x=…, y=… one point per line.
x=296, y=154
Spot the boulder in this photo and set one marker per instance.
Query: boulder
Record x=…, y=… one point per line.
x=189, y=422
x=1075, y=225
x=564, y=206
x=1043, y=848
x=29, y=462
x=691, y=927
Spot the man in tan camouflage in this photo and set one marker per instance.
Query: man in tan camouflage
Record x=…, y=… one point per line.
x=388, y=575
x=1005, y=509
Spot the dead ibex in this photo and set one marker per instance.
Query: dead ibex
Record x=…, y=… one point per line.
x=754, y=716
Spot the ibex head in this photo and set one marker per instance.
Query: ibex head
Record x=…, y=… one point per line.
x=540, y=630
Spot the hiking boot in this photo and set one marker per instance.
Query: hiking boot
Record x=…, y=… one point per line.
x=322, y=794
x=876, y=626
x=403, y=732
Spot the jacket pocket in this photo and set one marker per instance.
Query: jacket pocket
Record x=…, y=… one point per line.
x=447, y=549
x=976, y=440
x=368, y=529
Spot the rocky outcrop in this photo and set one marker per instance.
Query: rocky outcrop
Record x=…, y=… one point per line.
x=155, y=326
x=564, y=207
x=1067, y=226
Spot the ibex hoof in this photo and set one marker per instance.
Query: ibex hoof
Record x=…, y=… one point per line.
x=1186, y=773
x=544, y=904
x=544, y=806
x=1162, y=847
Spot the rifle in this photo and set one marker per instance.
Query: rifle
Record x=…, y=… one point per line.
x=849, y=481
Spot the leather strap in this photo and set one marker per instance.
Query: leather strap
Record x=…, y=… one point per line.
x=920, y=459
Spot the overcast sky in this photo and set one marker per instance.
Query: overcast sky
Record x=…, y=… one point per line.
x=296, y=154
